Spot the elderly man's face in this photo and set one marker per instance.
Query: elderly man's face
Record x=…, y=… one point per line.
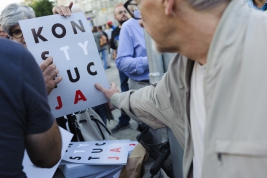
x=16, y=34
x=121, y=14
x=161, y=27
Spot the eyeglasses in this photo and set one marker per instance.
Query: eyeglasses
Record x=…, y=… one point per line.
x=17, y=34
x=120, y=12
x=132, y=7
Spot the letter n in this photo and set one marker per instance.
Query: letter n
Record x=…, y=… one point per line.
x=81, y=27
x=79, y=96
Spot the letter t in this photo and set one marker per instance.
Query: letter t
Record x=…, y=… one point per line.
x=65, y=49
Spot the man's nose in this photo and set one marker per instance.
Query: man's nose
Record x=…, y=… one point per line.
x=141, y=23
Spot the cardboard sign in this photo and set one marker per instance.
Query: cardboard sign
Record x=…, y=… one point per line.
x=113, y=152
x=32, y=171
x=70, y=42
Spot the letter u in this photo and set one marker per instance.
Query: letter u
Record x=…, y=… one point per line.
x=77, y=75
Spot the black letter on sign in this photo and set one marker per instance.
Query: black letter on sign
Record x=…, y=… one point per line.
x=77, y=74
x=43, y=55
x=92, y=158
x=98, y=150
x=54, y=30
x=73, y=24
x=97, y=144
x=38, y=35
x=89, y=69
x=78, y=158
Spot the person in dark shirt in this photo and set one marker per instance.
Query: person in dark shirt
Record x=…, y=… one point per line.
x=25, y=116
x=121, y=16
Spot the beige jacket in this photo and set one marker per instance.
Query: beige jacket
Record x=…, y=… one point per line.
x=235, y=85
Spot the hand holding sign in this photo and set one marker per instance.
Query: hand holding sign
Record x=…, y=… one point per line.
x=63, y=10
x=50, y=74
x=72, y=45
x=108, y=92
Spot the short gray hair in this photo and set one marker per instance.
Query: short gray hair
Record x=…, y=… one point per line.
x=205, y=4
x=13, y=13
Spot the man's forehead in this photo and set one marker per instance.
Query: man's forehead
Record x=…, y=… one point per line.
x=120, y=8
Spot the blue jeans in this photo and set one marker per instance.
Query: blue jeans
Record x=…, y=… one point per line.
x=124, y=81
x=124, y=119
x=104, y=57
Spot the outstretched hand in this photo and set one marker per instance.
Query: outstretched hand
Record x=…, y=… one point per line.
x=63, y=10
x=108, y=92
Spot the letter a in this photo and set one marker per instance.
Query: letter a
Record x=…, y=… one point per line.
x=59, y=103
x=116, y=149
x=79, y=96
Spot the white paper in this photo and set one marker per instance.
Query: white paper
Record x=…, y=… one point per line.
x=112, y=152
x=34, y=172
x=70, y=42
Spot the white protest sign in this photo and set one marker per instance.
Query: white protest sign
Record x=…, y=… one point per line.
x=113, y=152
x=32, y=171
x=70, y=42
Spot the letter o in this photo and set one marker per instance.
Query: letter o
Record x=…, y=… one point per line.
x=54, y=30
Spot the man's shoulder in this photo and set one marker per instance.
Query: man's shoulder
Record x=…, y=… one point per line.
x=11, y=52
x=129, y=23
x=7, y=45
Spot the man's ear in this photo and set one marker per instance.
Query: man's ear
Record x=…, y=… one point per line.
x=169, y=7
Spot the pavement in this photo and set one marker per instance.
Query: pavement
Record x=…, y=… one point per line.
x=129, y=133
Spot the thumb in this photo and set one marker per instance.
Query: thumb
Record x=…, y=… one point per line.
x=113, y=85
x=70, y=5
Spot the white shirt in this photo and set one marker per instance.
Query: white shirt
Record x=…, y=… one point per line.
x=197, y=116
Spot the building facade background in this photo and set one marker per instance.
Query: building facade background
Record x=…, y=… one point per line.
x=98, y=12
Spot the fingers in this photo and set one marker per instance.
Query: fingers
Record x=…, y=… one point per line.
x=46, y=63
x=62, y=10
x=99, y=87
x=50, y=70
x=70, y=5
x=50, y=73
x=56, y=81
x=51, y=84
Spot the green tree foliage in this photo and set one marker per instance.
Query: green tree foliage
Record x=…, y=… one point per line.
x=40, y=7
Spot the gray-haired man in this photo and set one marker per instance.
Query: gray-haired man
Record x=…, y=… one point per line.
x=213, y=96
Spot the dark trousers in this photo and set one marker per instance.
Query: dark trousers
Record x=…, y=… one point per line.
x=124, y=119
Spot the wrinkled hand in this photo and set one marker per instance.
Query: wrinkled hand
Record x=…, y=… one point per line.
x=63, y=10
x=50, y=74
x=108, y=92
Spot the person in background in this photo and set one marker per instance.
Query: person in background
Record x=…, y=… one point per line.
x=108, y=30
x=25, y=116
x=100, y=30
x=3, y=34
x=102, y=49
x=110, y=24
x=257, y=4
x=120, y=15
x=132, y=57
